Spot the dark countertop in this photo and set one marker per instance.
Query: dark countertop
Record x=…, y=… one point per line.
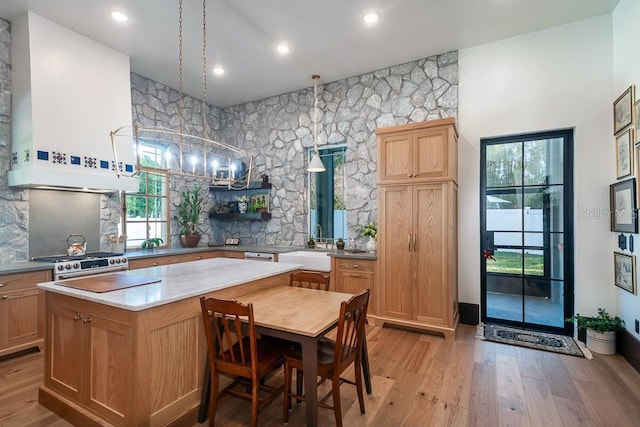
x=27, y=266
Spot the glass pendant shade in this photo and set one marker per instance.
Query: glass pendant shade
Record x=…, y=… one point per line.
x=316, y=165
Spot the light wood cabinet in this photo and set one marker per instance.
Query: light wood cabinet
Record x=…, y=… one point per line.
x=232, y=254
x=93, y=366
x=198, y=256
x=21, y=311
x=418, y=152
x=155, y=261
x=417, y=237
x=353, y=275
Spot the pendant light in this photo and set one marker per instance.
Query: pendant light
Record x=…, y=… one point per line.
x=316, y=164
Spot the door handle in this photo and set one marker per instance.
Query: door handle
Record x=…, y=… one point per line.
x=415, y=243
x=356, y=275
x=409, y=241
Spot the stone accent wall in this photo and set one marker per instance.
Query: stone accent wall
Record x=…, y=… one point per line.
x=279, y=131
x=14, y=204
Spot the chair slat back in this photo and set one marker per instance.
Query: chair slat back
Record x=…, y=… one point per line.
x=310, y=280
x=350, y=334
x=230, y=331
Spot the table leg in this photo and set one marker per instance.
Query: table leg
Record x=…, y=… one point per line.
x=310, y=368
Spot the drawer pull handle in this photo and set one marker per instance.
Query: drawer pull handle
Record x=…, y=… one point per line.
x=155, y=263
x=200, y=257
x=87, y=320
x=356, y=275
x=77, y=317
x=355, y=266
x=1, y=285
x=5, y=296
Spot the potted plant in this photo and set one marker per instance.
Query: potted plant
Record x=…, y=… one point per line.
x=311, y=243
x=370, y=230
x=340, y=244
x=243, y=204
x=188, y=217
x=601, y=330
x=152, y=242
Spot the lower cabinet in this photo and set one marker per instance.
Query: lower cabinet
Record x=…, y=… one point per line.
x=21, y=311
x=231, y=254
x=155, y=261
x=90, y=356
x=197, y=256
x=353, y=275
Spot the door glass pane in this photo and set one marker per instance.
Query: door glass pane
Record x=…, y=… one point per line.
x=543, y=209
x=507, y=261
x=504, y=297
x=504, y=214
x=534, y=239
x=543, y=302
x=534, y=262
x=543, y=162
x=507, y=239
x=556, y=259
x=504, y=165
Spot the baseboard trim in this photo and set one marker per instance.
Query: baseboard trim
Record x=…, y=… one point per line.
x=469, y=313
x=629, y=347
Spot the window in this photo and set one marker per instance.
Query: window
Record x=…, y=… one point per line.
x=147, y=211
x=327, y=201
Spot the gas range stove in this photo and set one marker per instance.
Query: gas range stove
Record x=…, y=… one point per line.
x=65, y=266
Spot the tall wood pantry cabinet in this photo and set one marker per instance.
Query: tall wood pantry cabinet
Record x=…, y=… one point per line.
x=418, y=226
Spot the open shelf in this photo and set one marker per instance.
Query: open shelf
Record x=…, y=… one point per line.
x=249, y=216
x=254, y=185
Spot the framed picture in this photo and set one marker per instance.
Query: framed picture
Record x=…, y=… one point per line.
x=624, y=154
x=636, y=121
x=624, y=267
x=622, y=200
x=623, y=109
x=259, y=203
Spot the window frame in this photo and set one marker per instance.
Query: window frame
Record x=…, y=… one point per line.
x=326, y=154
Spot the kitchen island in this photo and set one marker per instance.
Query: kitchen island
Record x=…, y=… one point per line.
x=136, y=356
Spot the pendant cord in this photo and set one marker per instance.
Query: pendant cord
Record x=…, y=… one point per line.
x=315, y=78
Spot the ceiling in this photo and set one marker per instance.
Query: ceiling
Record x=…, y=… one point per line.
x=326, y=37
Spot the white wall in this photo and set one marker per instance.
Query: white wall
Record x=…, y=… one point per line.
x=557, y=78
x=626, y=71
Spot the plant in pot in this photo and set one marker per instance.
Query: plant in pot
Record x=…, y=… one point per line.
x=370, y=230
x=601, y=330
x=188, y=217
x=311, y=243
x=152, y=242
x=243, y=204
x=340, y=244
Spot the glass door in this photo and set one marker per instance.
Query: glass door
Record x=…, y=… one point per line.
x=527, y=230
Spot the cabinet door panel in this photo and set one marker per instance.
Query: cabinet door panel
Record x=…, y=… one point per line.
x=22, y=317
x=67, y=351
x=396, y=272
x=430, y=158
x=108, y=366
x=352, y=282
x=396, y=162
x=430, y=290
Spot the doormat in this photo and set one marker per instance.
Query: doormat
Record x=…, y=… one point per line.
x=532, y=339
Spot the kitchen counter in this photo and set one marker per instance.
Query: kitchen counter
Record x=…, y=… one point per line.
x=354, y=255
x=24, y=267
x=136, y=356
x=272, y=249
x=177, y=282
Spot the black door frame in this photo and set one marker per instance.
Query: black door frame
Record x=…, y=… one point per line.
x=568, y=206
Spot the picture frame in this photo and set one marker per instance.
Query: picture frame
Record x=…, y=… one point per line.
x=259, y=203
x=636, y=121
x=624, y=267
x=623, y=110
x=624, y=153
x=622, y=201
x=637, y=159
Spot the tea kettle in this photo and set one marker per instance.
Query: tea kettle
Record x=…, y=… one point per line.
x=77, y=245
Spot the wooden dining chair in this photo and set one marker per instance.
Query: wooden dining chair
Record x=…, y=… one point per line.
x=334, y=357
x=310, y=279
x=234, y=350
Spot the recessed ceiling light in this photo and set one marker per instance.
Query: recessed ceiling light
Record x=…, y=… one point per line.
x=370, y=18
x=119, y=16
x=218, y=70
x=282, y=48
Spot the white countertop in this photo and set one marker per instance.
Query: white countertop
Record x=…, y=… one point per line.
x=178, y=281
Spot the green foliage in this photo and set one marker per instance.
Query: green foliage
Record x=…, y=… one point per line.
x=370, y=230
x=603, y=322
x=151, y=242
x=511, y=263
x=189, y=211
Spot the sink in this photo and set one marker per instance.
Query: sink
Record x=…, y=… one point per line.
x=318, y=261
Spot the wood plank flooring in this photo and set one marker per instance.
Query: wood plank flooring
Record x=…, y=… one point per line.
x=421, y=380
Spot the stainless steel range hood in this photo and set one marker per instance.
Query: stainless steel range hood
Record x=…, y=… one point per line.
x=69, y=93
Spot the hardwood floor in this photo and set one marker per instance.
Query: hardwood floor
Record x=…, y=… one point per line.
x=421, y=380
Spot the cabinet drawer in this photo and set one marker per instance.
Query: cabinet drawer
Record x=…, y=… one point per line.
x=356, y=265
x=20, y=281
x=197, y=256
x=152, y=262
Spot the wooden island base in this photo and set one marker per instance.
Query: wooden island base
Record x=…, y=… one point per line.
x=110, y=366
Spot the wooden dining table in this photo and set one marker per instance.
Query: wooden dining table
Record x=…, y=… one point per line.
x=301, y=315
